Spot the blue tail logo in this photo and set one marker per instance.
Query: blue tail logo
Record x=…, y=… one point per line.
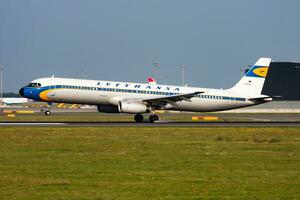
x=258, y=71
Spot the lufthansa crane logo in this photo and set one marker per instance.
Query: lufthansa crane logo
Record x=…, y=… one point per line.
x=258, y=71
x=261, y=71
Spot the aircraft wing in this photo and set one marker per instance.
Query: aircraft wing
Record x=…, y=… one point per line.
x=161, y=101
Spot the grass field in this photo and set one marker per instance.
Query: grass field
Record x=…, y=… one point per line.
x=149, y=163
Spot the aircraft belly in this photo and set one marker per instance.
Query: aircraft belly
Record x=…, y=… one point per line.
x=208, y=105
x=88, y=97
x=78, y=96
x=108, y=98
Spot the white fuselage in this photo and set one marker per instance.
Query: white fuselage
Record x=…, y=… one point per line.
x=93, y=92
x=137, y=98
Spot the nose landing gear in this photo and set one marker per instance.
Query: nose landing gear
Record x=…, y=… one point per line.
x=48, y=109
x=47, y=112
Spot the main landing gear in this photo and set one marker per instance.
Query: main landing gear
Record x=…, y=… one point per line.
x=153, y=118
x=139, y=118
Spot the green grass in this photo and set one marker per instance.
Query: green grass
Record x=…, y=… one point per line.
x=149, y=163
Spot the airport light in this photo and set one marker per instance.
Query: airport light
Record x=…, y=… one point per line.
x=183, y=67
x=166, y=79
x=1, y=83
x=85, y=74
x=156, y=67
x=244, y=70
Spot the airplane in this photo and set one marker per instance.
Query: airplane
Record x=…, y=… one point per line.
x=140, y=98
x=14, y=100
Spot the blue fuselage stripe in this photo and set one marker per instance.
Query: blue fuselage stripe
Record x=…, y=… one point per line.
x=34, y=93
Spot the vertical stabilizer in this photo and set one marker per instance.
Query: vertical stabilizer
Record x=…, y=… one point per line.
x=253, y=81
x=151, y=80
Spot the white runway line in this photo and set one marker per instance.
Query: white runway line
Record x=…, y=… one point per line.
x=163, y=121
x=32, y=123
x=157, y=124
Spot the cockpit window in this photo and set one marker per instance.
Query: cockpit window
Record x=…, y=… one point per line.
x=34, y=85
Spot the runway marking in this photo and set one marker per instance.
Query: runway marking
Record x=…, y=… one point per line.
x=159, y=124
x=30, y=124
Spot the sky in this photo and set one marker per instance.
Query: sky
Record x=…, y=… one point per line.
x=120, y=39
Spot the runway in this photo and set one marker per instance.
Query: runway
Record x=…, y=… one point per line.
x=157, y=124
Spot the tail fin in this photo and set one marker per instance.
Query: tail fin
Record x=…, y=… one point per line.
x=151, y=80
x=253, y=81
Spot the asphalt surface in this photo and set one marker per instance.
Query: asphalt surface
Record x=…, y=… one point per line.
x=156, y=124
x=223, y=115
x=231, y=120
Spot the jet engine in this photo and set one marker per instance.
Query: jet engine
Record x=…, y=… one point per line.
x=108, y=109
x=133, y=107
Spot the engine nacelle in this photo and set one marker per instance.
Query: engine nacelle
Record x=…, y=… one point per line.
x=133, y=107
x=108, y=109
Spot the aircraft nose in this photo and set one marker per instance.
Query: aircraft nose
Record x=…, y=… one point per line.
x=21, y=92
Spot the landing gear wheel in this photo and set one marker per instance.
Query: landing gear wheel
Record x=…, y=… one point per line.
x=47, y=112
x=138, y=118
x=153, y=118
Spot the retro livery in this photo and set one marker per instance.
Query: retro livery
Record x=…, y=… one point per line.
x=139, y=98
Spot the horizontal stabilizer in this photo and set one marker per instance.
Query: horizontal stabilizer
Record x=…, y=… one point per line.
x=261, y=99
